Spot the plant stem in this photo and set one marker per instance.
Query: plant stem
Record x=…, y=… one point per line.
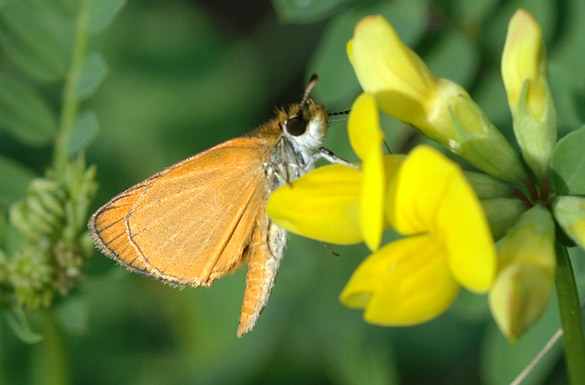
x=570, y=311
x=70, y=101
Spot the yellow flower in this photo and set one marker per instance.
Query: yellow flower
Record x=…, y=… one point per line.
x=526, y=269
x=449, y=245
x=405, y=89
x=525, y=75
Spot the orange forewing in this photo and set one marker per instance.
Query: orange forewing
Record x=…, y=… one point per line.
x=194, y=221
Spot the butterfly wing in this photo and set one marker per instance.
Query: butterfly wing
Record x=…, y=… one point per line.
x=192, y=222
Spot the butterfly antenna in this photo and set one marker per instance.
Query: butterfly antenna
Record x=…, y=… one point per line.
x=346, y=112
x=343, y=119
x=309, y=89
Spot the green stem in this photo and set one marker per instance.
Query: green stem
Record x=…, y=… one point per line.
x=50, y=360
x=570, y=311
x=70, y=100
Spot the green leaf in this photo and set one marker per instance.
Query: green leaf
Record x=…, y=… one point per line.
x=93, y=73
x=18, y=322
x=14, y=179
x=37, y=41
x=102, y=12
x=85, y=129
x=295, y=11
x=568, y=164
x=24, y=114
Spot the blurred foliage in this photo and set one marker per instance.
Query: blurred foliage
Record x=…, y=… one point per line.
x=167, y=79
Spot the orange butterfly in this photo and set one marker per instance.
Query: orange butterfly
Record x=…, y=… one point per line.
x=204, y=217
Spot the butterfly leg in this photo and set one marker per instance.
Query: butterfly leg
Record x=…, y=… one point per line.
x=328, y=155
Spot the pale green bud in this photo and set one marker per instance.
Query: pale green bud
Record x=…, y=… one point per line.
x=487, y=187
x=525, y=74
x=518, y=298
x=526, y=270
x=502, y=213
x=569, y=212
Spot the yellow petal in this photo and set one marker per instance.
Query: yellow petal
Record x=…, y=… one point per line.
x=431, y=195
x=349, y=49
x=392, y=164
x=404, y=283
x=364, y=126
x=372, y=198
x=418, y=191
x=472, y=255
x=377, y=172
x=366, y=138
x=322, y=204
x=389, y=70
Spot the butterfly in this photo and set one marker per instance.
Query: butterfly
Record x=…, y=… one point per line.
x=204, y=217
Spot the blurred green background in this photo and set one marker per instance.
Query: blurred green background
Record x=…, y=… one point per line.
x=183, y=76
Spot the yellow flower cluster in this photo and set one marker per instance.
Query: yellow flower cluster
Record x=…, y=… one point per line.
x=447, y=218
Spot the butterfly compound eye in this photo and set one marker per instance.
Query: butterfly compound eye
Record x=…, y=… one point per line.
x=296, y=125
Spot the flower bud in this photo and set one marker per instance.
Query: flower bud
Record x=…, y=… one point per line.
x=526, y=269
x=569, y=212
x=487, y=187
x=525, y=75
x=502, y=214
x=518, y=298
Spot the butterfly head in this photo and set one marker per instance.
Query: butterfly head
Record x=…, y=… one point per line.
x=305, y=125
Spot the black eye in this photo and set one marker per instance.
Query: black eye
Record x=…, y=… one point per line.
x=296, y=125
